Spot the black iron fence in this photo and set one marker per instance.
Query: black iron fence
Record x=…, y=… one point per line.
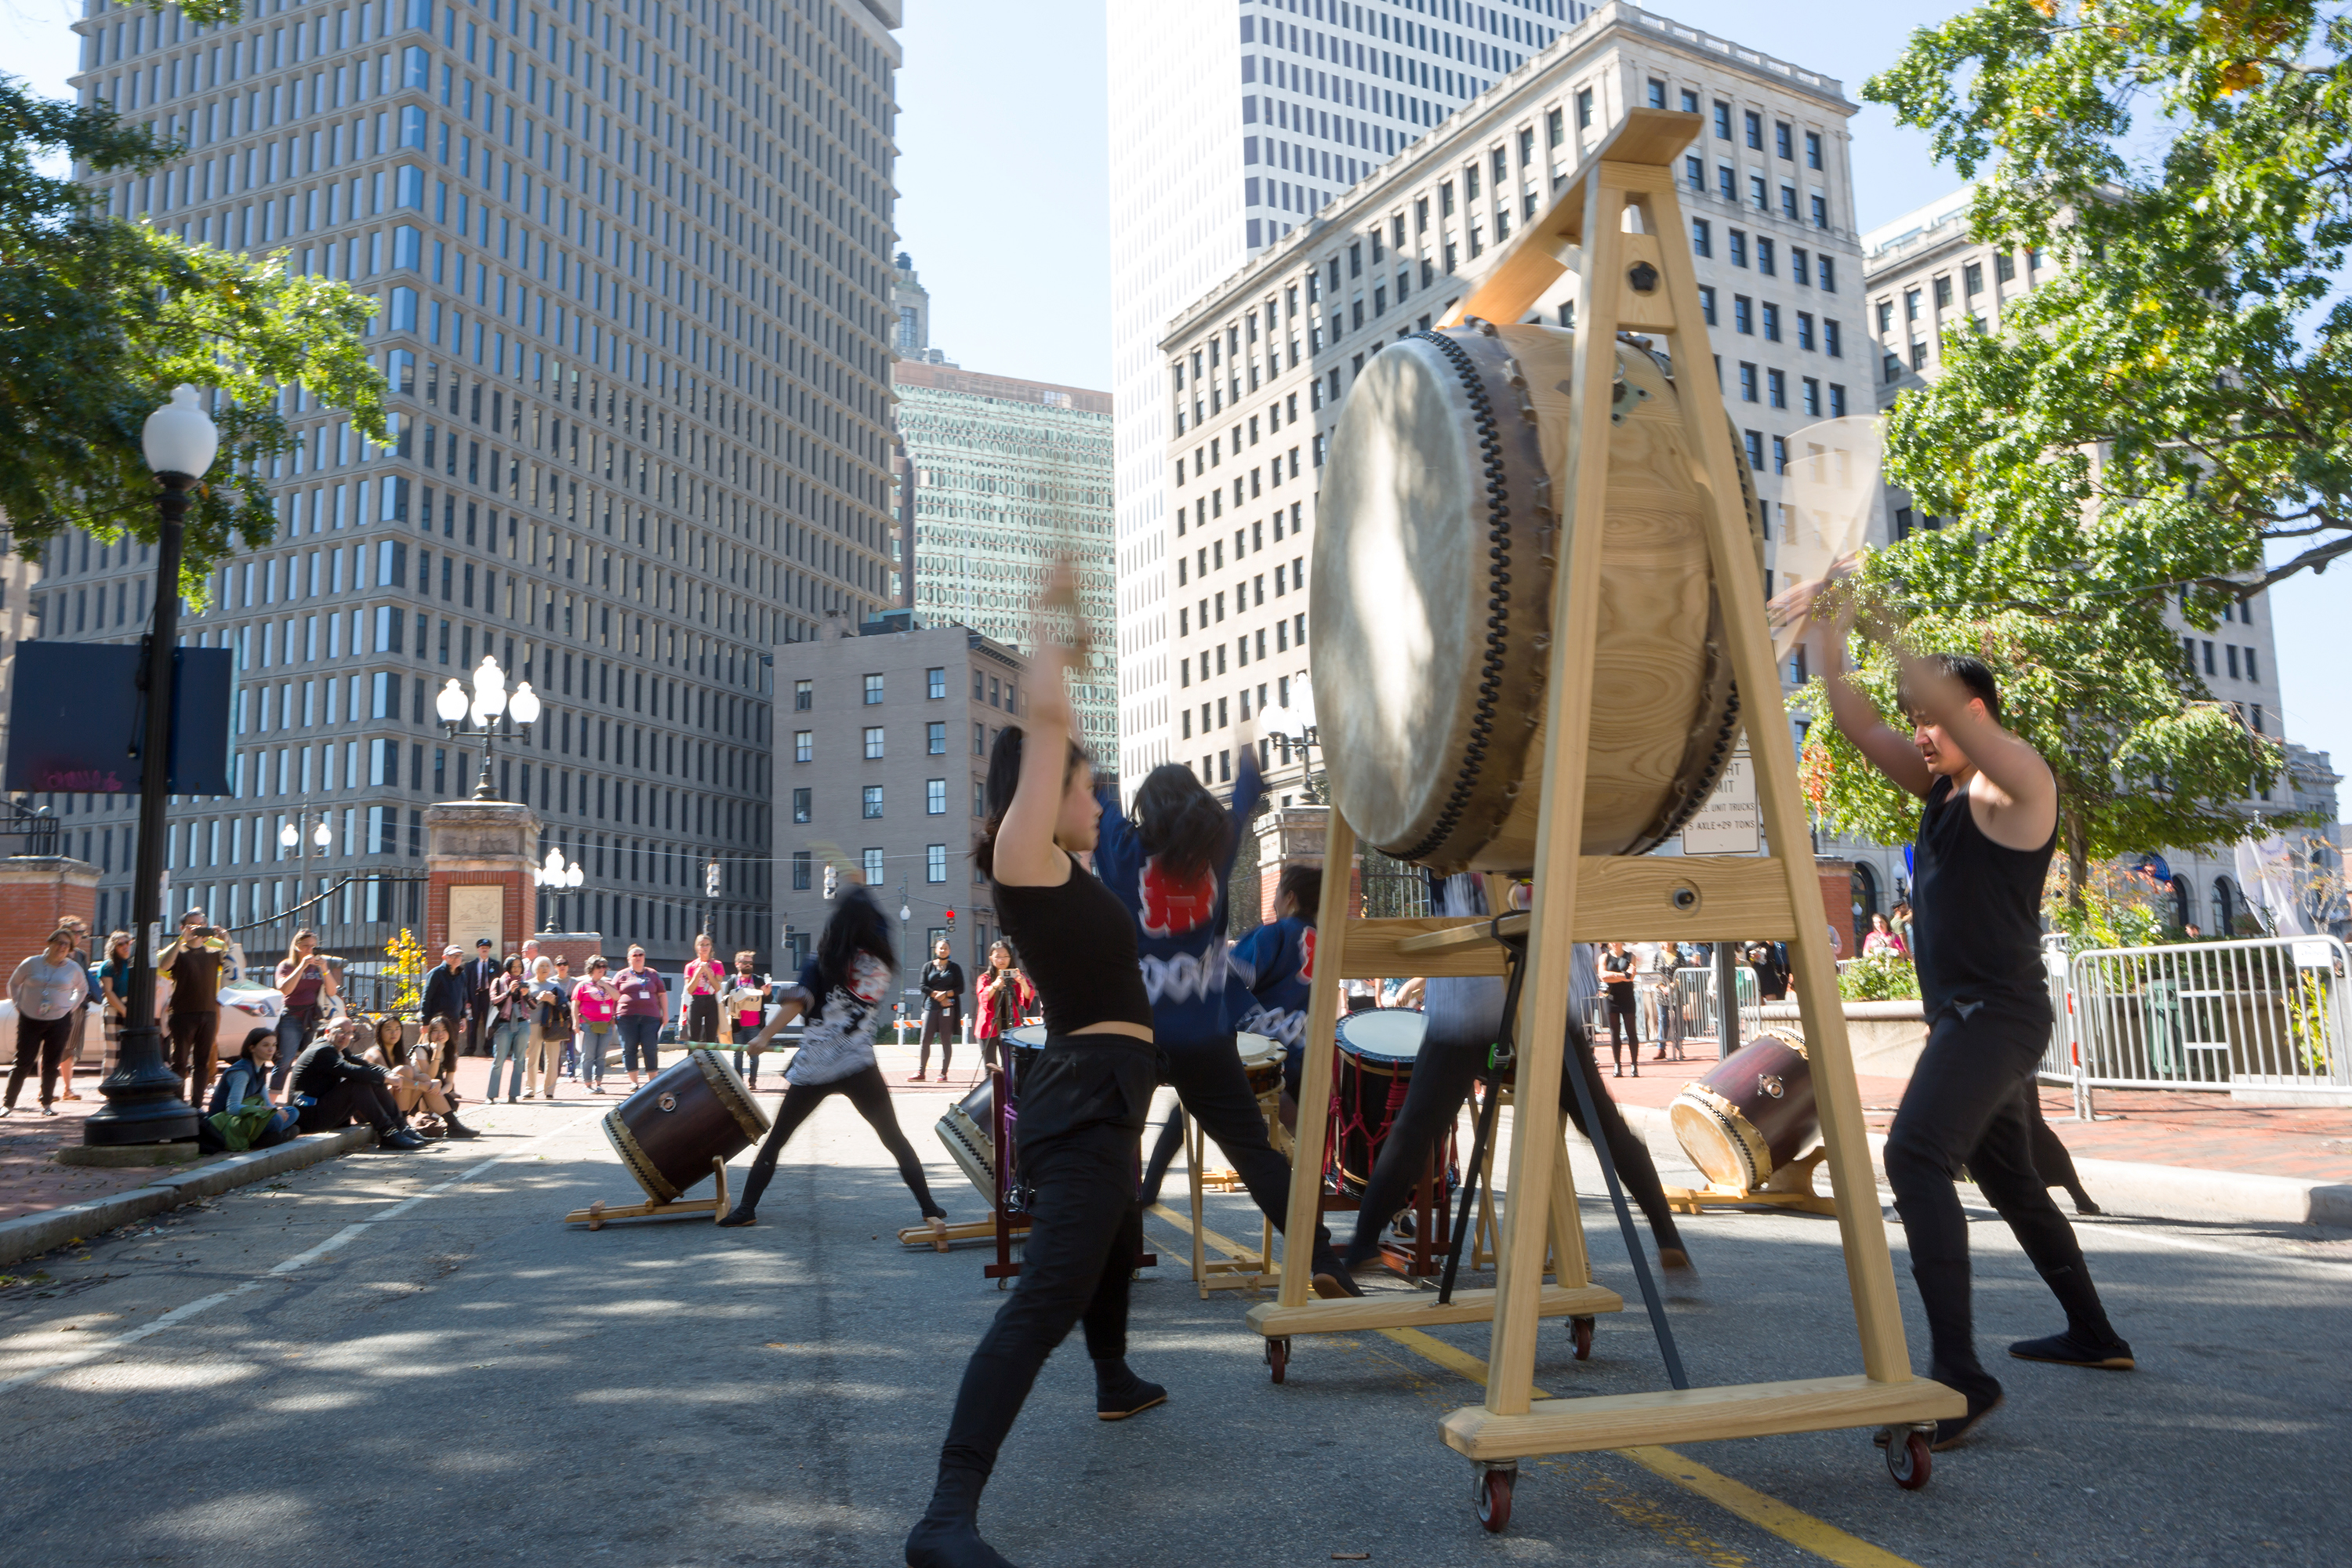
x=23, y=831
x=355, y=919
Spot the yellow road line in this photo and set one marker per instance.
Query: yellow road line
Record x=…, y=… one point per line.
x=1798, y=1528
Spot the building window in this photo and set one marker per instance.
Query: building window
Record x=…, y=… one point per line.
x=1776, y=391
x=935, y=683
x=1723, y=121
x=1831, y=344
x=935, y=797
x=804, y=745
x=872, y=743
x=935, y=738
x=1813, y=149
x=1706, y=302
x=1919, y=355
x=1727, y=182
x=1837, y=401
x=978, y=740
x=1695, y=174
x=1771, y=323
x=800, y=871
x=1754, y=440
x=1812, y=396
x=2004, y=268
x=1753, y=123
x=801, y=805
x=1702, y=238
x=873, y=801
x=1783, y=139
x=804, y=697
x=1747, y=383
x=872, y=690
x=874, y=868
x=934, y=863
x=1779, y=450
x=1743, y=314
x=1943, y=286
x=1829, y=275
x=1820, y=212
x=1804, y=328
x=1584, y=108
x=1739, y=238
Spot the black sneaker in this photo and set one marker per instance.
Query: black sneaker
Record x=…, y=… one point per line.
x=1983, y=1397
x=2071, y=1348
x=738, y=1215
x=1128, y=1395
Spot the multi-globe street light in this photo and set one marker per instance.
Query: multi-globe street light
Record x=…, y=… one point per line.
x=483, y=709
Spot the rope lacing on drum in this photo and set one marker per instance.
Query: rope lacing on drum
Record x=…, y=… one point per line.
x=1498, y=598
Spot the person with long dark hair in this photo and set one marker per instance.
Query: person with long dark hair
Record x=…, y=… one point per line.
x=1082, y=1102
x=1172, y=866
x=1005, y=998
x=839, y=989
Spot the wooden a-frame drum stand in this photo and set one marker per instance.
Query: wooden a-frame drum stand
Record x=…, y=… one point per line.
x=1640, y=282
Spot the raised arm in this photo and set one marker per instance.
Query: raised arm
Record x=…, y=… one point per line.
x=1026, y=853
x=1889, y=750
x=2027, y=809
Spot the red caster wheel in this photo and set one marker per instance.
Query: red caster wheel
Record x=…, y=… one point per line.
x=1580, y=1329
x=1909, y=1461
x=1278, y=1357
x=1493, y=1496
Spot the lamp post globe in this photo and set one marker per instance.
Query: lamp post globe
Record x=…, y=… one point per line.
x=144, y=1103
x=290, y=836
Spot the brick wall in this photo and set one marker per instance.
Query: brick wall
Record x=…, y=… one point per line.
x=37, y=892
x=1837, y=904
x=518, y=908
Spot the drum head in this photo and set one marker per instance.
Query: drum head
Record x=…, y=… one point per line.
x=1437, y=533
x=1028, y=1036
x=1256, y=1048
x=1384, y=1036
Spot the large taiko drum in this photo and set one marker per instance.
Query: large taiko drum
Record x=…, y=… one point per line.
x=969, y=1129
x=1377, y=1048
x=693, y=1112
x=1750, y=1116
x=1436, y=536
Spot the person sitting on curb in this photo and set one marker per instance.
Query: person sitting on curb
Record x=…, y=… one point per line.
x=333, y=1089
x=413, y=1088
x=241, y=1115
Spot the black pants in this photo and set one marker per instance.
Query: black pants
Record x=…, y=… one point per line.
x=295, y=1027
x=1624, y=1023
x=939, y=1023
x=1078, y=1130
x=1966, y=1105
x=1441, y=1082
x=2050, y=1157
x=349, y=1100
x=195, y=1046
x=702, y=1020
x=41, y=1040
x=1209, y=1082
x=867, y=1091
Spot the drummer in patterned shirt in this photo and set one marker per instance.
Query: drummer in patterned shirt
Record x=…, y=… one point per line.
x=1275, y=964
x=1171, y=866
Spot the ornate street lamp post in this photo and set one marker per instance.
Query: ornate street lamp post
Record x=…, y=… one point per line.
x=490, y=699
x=142, y=1095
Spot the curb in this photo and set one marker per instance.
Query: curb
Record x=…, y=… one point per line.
x=28, y=1235
x=2132, y=1187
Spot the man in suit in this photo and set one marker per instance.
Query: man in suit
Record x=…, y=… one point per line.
x=483, y=969
x=449, y=997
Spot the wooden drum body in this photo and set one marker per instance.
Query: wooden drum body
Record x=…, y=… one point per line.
x=1377, y=1048
x=1436, y=540
x=1262, y=1059
x=693, y=1112
x=1753, y=1114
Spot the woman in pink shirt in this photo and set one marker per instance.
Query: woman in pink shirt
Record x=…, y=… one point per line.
x=698, y=1010
x=595, y=1003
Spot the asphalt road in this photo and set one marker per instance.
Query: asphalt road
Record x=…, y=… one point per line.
x=410, y=1359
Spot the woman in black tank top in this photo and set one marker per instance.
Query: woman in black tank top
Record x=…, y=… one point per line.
x=1082, y=1103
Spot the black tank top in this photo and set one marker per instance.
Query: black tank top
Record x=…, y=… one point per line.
x=1975, y=912
x=1077, y=943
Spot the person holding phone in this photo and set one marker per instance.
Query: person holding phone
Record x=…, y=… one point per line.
x=306, y=979
x=193, y=961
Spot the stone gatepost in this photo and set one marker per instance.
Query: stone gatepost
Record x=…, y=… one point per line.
x=478, y=859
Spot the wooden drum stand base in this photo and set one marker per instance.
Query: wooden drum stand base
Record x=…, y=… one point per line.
x=597, y=1213
x=1790, y=1188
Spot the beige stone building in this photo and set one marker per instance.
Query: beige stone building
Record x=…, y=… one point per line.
x=1256, y=370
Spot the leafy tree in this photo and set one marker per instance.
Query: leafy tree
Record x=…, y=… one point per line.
x=2146, y=418
x=2188, y=166
x=103, y=317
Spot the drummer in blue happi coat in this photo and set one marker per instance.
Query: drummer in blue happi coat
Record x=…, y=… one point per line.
x=1171, y=864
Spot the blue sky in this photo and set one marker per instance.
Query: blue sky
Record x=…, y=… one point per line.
x=1002, y=184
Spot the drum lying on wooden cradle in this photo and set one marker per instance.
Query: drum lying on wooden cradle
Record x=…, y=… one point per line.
x=1750, y=1116
x=969, y=1128
x=693, y=1112
x=1435, y=541
x=1377, y=1048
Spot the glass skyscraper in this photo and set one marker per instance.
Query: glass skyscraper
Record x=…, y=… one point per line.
x=633, y=265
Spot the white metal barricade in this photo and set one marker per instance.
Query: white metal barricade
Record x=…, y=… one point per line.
x=1696, y=989
x=2271, y=1014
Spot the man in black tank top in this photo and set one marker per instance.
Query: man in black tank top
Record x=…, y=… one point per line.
x=1987, y=830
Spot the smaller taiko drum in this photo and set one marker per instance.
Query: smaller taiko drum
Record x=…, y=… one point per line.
x=1750, y=1116
x=1262, y=1059
x=1377, y=1048
x=969, y=1128
x=693, y=1112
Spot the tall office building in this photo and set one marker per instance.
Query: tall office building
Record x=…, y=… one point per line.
x=1008, y=476
x=634, y=266
x=1224, y=140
